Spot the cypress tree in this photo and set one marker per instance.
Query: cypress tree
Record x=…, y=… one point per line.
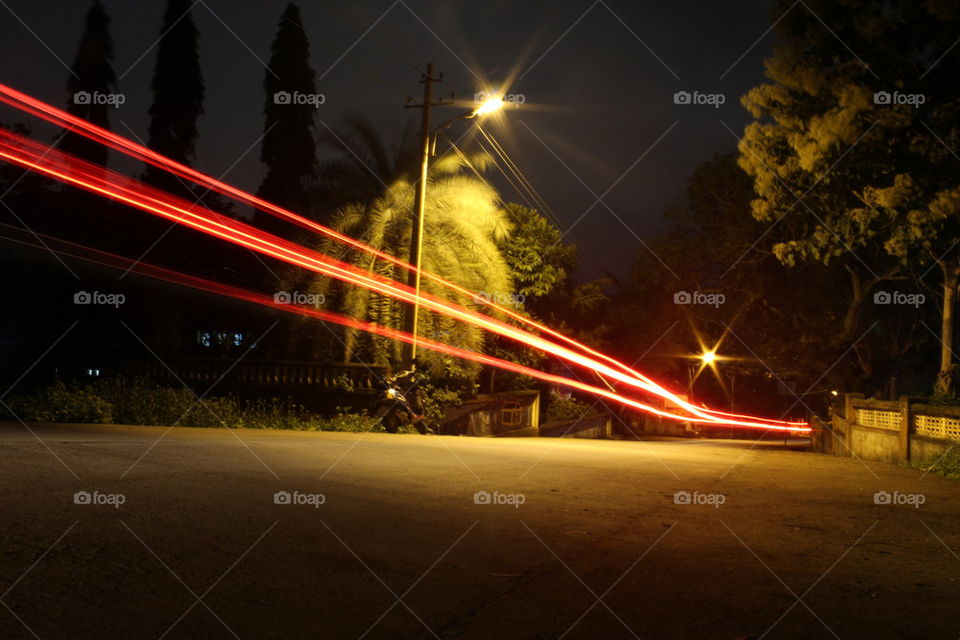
x=91, y=82
x=289, y=145
x=178, y=93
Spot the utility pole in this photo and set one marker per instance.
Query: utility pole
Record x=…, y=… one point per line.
x=428, y=137
x=416, y=235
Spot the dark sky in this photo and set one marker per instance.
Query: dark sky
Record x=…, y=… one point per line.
x=597, y=98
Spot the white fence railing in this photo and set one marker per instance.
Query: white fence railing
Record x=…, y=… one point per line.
x=879, y=419
x=942, y=427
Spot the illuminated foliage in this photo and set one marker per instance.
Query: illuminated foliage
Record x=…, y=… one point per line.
x=535, y=252
x=851, y=148
x=463, y=225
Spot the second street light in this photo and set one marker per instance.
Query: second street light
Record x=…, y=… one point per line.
x=707, y=358
x=428, y=143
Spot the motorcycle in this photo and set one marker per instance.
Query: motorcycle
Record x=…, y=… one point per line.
x=397, y=407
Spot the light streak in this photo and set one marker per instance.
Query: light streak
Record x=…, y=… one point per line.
x=155, y=272
x=89, y=177
x=105, y=182
x=118, y=143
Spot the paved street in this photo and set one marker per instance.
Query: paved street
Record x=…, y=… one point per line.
x=581, y=539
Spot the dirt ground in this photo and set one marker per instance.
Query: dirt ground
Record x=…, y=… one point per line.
x=380, y=536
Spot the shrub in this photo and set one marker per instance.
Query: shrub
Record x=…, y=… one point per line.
x=344, y=421
x=138, y=401
x=60, y=403
x=947, y=465
x=563, y=409
x=435, y=400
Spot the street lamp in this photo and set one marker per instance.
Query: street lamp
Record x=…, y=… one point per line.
x=491, y=104
x=428, y=141
x=706, y=358
x=710, y=358
x=488, y=106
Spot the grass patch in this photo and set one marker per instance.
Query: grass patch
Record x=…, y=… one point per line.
x=140, y=402
x=947, y=465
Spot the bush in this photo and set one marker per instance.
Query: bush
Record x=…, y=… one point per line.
x=948, y=465
x=343, y=421
x=60, y=403
x=435, y=400
x=137, y=401
x=563, y=409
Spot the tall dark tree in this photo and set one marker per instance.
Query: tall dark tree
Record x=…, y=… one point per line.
x=178, y=93
x=289, y=144
x=91, y=80
x=868, y=150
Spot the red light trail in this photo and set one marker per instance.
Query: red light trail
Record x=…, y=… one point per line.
x=123, y=145
x=103, y=258
x=72, y=170
x=66, y=168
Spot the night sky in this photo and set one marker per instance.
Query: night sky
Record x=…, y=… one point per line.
x=598, y=79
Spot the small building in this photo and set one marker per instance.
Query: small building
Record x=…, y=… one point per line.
x=510, y=413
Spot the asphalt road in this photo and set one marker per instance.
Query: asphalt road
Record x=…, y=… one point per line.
x=583, y=539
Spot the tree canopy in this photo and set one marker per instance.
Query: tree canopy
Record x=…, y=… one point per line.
x=851, y=151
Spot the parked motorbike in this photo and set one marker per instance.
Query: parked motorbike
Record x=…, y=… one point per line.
x=401, y=403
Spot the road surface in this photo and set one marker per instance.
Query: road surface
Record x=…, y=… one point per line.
x=180, y=535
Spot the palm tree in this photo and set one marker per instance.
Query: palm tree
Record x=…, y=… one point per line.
x=366, y=164
x=464, y=225
x=368, y=194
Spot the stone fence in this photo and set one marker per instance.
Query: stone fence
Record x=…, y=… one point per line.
x=891, y=431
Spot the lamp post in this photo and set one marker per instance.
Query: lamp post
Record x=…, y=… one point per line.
x=428, y=144
x=706, y=359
